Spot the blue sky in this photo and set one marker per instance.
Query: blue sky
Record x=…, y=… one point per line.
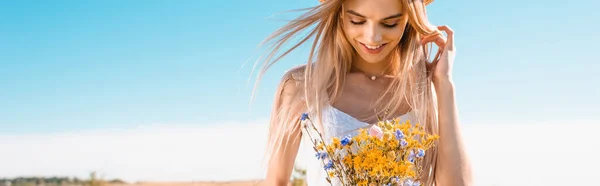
x=73, y=65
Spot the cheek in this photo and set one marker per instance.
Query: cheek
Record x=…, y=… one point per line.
x=395, y=35
x=351, y=32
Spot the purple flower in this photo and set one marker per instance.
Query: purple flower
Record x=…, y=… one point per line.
x=403, y=143
x=416, y=183
x=411, y=156
x=408, y=182
x=304, y=116
x=399, y=134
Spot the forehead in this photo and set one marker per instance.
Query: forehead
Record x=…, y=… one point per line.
x=375, y=9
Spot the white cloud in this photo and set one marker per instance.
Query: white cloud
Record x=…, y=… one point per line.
x=220, y=151
x=529, y=154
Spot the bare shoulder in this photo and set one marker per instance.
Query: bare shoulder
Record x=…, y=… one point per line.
x=296, y=73
x=290, y=87
x=293, y=78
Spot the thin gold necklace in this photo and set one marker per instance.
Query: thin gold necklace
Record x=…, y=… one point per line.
x=372, y=77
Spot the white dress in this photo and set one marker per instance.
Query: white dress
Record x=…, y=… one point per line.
x=335, y=124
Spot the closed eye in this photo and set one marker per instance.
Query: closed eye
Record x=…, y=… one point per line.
x=387, y=19
x=390, y=26
x=358, y=22
x=385, y=25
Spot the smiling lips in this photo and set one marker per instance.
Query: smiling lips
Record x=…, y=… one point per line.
x=373, y=49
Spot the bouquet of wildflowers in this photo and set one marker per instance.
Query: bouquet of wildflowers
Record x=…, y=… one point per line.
x=387, y=154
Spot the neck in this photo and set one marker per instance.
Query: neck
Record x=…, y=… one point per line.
x=371, y=69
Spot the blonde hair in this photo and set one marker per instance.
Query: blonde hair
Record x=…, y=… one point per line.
x=330, y=59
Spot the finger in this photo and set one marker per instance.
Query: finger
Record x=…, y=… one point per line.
x=449, y=33
x=426, y=40
x=438, y=39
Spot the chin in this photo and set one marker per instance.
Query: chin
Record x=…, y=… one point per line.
x=373, y=59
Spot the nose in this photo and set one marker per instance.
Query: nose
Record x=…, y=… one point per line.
x=373, y=34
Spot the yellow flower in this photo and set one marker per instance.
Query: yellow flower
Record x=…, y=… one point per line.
x=387, y=135
x=363, y=182
x=331, y=174
x=330, y=149
x=358, y=163
x=320, y=146
x=393, y=144
x=348, y=161
x=336, y=142
x=391, y=154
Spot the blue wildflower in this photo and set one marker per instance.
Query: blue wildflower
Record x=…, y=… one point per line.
x=399, y=134
x=321, y=155
x=408, y=182
x=346, y=140
x=304, y=116
x=420, y=153
x=329, y=165
x=403, y=143
x=416, y=183
x=411, y=157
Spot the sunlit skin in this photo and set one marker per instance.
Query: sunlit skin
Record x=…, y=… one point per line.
x=374, y=28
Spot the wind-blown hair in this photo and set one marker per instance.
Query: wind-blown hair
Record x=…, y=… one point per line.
x=330, y=59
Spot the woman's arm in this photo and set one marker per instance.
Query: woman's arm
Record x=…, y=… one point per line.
x=285, y=132
x=453, y=166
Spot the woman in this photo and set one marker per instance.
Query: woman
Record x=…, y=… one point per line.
x=368, y=60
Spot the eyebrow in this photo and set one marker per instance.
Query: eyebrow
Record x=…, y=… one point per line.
x=359, y=15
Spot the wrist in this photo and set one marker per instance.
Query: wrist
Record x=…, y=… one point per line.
x=442, y=81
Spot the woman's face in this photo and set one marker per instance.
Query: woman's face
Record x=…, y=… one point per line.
x=373, y=27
